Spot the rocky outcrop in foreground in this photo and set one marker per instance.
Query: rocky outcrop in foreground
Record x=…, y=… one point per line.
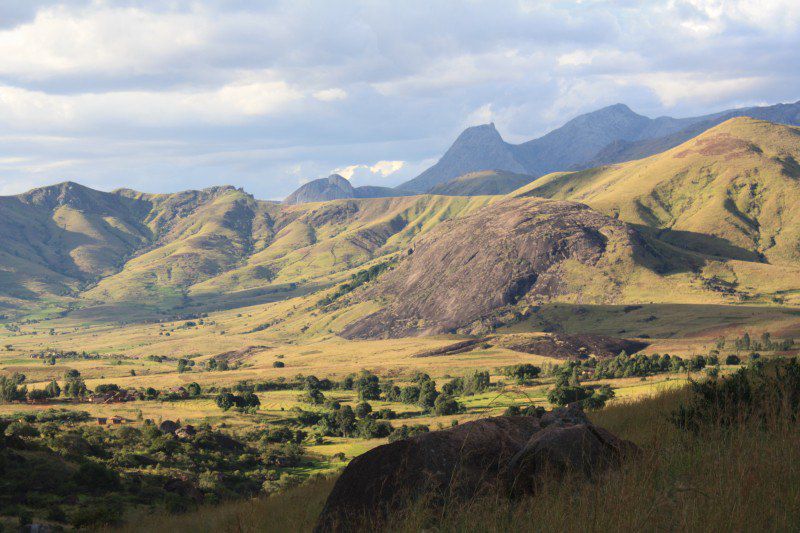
x=506, y=452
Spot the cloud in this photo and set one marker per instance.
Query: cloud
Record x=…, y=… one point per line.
x=230, y=103
x=174, y=95
x=380, y=169
x=330, y=95
x=99, y=39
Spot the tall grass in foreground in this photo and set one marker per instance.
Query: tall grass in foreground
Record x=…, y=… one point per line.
x=740, y=474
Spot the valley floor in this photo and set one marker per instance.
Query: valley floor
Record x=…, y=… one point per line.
x=296, y=344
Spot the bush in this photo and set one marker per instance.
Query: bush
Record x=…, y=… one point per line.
x=445, y=405
x=363, y=409
x=733, y=360
x=764, y=392
x=96, y=477
x=278, y=364
x=405, y=432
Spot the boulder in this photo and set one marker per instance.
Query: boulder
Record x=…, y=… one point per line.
x=562, y=448
x=457, y=462
x=568, y=415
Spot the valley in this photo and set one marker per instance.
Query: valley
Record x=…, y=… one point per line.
x=278, y=341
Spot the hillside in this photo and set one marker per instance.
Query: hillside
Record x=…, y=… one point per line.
x=609, y=135
x=67, y=245
x=474, y=274
x=730, y=192
x=335, y=187
x=486, y=182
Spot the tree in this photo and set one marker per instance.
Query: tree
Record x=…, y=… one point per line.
x=445, y=405
x=345, y=420
x=10, y=391
x=409, y=394
x=523, y=372
x=53, y=389
x=9, y=347
x=313, y=396
x=194, y=389
x=427, y=394
x=250, y=401
x=477, y=382
x=363, y=410
x=566, y=394
x=225, y=401
x=183, y=364
x=733, y=360
x=38, y=394
x=106, y=388
x=368, y=386
x=390, y=391
x=278, y=364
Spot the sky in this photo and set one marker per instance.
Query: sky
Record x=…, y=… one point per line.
x=166, y=95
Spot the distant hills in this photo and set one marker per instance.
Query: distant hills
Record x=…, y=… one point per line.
x=712, y=220
x=609, y=135
x=68, y=245
x=485, y=182
x=336, y=187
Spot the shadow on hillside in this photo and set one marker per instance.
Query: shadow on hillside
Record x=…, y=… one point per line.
x=657, y=320
x=131, y=313
x=701, y=243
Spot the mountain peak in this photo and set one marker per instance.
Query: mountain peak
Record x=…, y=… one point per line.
x=334, y=187
x=480, y=133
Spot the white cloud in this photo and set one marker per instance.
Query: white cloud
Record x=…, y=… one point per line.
x=99, y=39
x=381, y=168
x=673, y=88
x=330, y=95
x=230, y=103
x=385, y=168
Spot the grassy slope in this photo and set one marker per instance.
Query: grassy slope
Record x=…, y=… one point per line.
x=134, y=251
x=737, y=182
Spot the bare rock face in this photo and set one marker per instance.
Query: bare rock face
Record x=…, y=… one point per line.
x=468, y=268
x=460, y=461
x=562, y=448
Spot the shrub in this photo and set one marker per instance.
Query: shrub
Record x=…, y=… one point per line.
x=363, y=409
x=733, y=360
x=445, y=405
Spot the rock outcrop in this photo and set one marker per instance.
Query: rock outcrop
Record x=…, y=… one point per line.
x=510, y=252
x=466, y=461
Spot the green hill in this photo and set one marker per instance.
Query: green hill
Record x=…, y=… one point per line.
x=731, y=191
x=70, y=245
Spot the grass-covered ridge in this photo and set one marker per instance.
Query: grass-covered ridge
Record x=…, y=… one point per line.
x=728, y=192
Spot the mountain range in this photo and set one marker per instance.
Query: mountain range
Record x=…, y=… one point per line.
x=609, y=135
x=712, y=220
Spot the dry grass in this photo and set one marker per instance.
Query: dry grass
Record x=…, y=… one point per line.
x=745, y=478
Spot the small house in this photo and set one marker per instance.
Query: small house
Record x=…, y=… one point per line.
x=102, y=421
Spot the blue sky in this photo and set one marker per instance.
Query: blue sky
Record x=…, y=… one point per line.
x=169, y=95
